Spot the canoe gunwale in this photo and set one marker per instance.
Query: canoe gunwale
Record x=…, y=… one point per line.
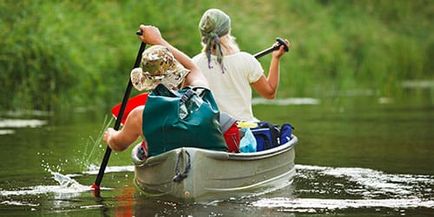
x=266, y=153
x=219, y=155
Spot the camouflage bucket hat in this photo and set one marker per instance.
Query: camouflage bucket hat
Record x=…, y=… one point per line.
x=158, y=65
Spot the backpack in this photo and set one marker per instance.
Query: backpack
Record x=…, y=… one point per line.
x=183, y=118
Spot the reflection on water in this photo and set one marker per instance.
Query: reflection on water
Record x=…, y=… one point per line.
x=5, y=132
x=418, y=84
x=366, y=183
x=93, y=169
x=17, y=123
x=313, y=205
x=287, y=101
x=318, y=187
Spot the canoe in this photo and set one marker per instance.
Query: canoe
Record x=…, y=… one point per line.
x=193, y=174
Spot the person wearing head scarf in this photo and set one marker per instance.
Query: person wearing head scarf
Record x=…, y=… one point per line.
x=161, y=63
x=233, y=73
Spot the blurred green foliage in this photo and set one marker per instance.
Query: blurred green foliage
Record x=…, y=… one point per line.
x=79, y=53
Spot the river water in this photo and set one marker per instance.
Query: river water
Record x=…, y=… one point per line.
x=358, y=155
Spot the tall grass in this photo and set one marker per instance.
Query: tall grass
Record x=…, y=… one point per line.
x=79, y=53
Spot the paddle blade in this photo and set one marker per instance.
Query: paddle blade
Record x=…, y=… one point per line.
x=132, y=103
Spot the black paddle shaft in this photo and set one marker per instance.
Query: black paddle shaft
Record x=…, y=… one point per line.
x=280, y=42
x=118, y=120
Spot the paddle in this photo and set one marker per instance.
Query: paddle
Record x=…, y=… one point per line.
x=141, y=98
x=280, y=42
x=96, y=185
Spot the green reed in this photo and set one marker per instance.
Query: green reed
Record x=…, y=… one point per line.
x=62, y=54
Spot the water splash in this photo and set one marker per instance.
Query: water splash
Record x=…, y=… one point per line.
x=67, y=188
x=69, y=184
x=95, y=143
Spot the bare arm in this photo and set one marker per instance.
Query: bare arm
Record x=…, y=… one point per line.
x=130, y=132
x=152, y=35
x=267, y=87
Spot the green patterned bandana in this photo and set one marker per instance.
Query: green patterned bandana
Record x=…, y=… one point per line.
x=213, y=25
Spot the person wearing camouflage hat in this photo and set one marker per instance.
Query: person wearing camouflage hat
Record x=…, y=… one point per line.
x=161, y=63
x=158, y=65
x=233, y=72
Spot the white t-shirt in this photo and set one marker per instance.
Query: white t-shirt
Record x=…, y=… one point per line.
x=231, y=89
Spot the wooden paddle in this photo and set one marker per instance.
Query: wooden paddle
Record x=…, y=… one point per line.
x=141, y=98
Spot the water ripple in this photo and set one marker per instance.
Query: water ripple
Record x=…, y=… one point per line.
x=313, y=204
x=17, y=203
x=369, y=183
x=93, y=169
x=319, y=189
x=287, y=101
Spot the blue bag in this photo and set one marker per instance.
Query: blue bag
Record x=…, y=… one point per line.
x=266, y=135
x=286, y=133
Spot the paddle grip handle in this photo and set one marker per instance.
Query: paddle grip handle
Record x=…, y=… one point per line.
x=279, y=41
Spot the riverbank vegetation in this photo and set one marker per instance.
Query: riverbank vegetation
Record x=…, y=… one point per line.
x=80, y=53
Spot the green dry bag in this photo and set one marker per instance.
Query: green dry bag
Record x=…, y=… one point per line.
x=183, y=118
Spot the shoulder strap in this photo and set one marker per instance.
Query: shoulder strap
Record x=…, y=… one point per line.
x=162, y=90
